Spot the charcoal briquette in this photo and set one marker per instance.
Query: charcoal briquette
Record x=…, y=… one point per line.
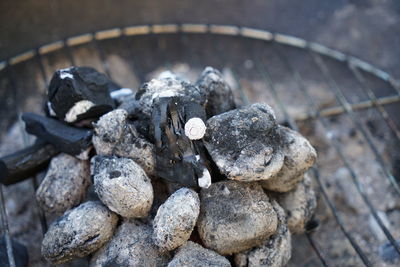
x=275, y=251
x=64, y=185
x=131, y=245
x=79, y=232
x=245, y=144
x=235, y=216
x=175, y=219
x=299, y=205
x=219, y=95
x=123, y=186
x=193, y=254
x=299, y=157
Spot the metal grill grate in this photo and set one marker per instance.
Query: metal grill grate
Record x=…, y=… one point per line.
x=281, y=47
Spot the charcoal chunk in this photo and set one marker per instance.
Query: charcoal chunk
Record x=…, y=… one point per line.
x=178, y=159
x=131, y=245
x=26, y=163
x=235, y=216
x=274, y=252
x=79, y=232
x=194, y=255
x=79, y=93
x=64, y=185
x=299, y=205
x=65, y=138
x=299, y=157
x=244, y=143
x=219, y=95
x=122, y=186
x=20, y=253
x=176, y=219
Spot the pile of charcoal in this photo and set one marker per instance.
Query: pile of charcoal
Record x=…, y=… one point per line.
x=172, y=175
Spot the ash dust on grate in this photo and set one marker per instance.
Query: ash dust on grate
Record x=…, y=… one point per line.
x=174, y=174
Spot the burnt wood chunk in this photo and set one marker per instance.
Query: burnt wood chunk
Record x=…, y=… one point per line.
x=79, y=93
x=65, y=138
x=178, y=159
x=26, y=162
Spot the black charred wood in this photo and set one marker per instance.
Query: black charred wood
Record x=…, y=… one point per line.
x=65, y=138
x=26, y=163
x=70, y=86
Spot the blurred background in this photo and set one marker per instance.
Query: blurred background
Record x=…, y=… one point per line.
x=357, y=149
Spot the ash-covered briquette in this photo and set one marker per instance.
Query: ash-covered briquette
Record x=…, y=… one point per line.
x=65, y=138
x=114, y=135
x=79, y=93
x=123, y=186
x=274, y=252
x=235, y=216
x=245, y=144
x=218, y=93
x=299, y=205
x=78, y=232
x=193, y=255
x=132, y=245
x=64, y=185
x=175, y=219
x=299, y=157
x=26, y=163
x=19, y=251
x=178, y=158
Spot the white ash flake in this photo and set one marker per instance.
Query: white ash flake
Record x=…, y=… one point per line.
x=205, y=179
x=80, y=107
x=64, y=73
x=51, y=110
x=121, y=93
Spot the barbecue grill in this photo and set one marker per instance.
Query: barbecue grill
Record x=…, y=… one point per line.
x=338, y=101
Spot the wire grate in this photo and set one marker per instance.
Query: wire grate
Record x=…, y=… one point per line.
x=277, y=43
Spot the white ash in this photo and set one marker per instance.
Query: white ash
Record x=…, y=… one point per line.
x=205, y=180
x=195, y=128
x=123, y=186
x=169, y=87
x=65, y=73
x=64, y=185
x=77, y=109
x=276, y=251
x=84, y=155
x=175, y=219
x=192, y=254
x=78, y=232
x=114, y=136
x=51, y=110
x=299, y=157
x=121, y=93
x=219, y=95
x=131, y=245
x=235, y=216
x=244, y=143
x=299, y=205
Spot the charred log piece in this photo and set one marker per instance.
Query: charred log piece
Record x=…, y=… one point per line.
x=25, y=163
x=65, y=138
x=179, y=159
x=79, y=93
